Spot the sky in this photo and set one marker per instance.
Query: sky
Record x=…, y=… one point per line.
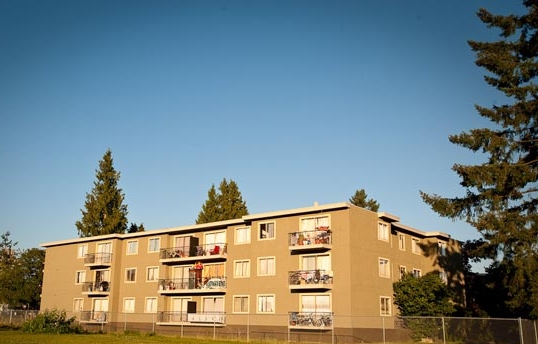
x=296, y=101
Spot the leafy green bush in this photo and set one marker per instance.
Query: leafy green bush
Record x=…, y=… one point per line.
x=53, y=321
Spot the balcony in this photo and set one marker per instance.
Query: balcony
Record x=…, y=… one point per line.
x=310, y=279
x=97, y=317
x=311, y=321
x=101, y=259
x=205, y=285
x=96, y=288
x=186, y=254
x=194, y=319
x=317, y=240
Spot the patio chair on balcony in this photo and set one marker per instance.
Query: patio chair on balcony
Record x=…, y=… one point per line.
x=215, y=250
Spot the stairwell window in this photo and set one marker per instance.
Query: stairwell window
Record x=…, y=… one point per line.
x=382, y=231
x=401, y=241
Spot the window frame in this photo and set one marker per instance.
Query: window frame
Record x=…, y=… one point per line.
x=84, y=248
x=385, y=269
x=239, y=261
x=156, y=276
x=77, y=279
x=77, y=300
x=157, y=239
x=402, y=270
x=245, y=298
x=417, y=273
x=127, y=246
x=259, y=237
x=385, y=305
x=401, y=241
x=129, y=298
x=248, y=230
x=383, y=231
x=127, y=280
x=146, y=299
x=442, y=248
x=258, y=265
x=265, y=296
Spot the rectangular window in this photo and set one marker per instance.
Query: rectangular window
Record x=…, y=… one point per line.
x=242, y=235
x=382, y=231
x=128, y=305
x=78, y=305
x=82, y=250
x=385, y=305
x=415, y=246
x=443, y=276
x=242, y=268
x=266, y=266
x=316, y=303
x=267, y=231
x=403, y=271
x=417, y=273
x=315, y=223
x=384, y=267
x=151, y=305
x=266, y=304
x=441, y=248
x=130, y=275
x=401, y=241
x=241, y=304
x=154, y=244
x=132, y=247
x=152, y=274
x=80, y=277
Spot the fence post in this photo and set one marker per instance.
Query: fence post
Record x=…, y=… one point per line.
x=124, y=322
x=248, y=327
x=535, y=333
x=383, y=321
x=10, y=316
x=520, y=330
x=153, y=323
x=444, y=330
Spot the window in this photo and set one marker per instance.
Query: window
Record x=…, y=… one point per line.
x=242, y=268
x=401, y=241
x=80, y=277
x=151, y=305
x=242, y=235
x=154, y=244
x=266, y=304
x=415, y=246
x=417, y=273
x=152, y=274
x=315, y=303
x=320, y=262
x=383, y=231
x=240, y=304
x=78, y=305
x=384, y=305
x=266, y=266
x=441, y=245
x=267, y=231
x=82, y=251
x=384, y=267
x=132, y=247
x=130, y=275
x=403, y=271
x=443, y=276
x=129, y=305
x=213, y=304
x=100, y=309
x=315, y=223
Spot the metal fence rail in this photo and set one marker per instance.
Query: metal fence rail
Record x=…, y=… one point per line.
x=280, y=327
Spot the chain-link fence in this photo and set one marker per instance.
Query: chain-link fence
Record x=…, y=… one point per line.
x=304, y=327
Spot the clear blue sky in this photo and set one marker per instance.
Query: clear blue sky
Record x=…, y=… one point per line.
x=296, y=101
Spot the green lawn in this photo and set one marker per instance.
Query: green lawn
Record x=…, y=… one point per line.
x=18, y=337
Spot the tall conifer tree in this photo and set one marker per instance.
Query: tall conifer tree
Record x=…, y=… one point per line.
x=227, y=204
x=360, y=199
x=104, y=211
x=500, y=199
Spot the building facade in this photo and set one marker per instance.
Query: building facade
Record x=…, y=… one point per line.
x=310, y=264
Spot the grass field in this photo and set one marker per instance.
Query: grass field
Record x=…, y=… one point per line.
x=18, y=337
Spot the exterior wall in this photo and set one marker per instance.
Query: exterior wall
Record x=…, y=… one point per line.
x=355, y=250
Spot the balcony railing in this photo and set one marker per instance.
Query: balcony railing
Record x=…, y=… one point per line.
x=93, y=316
x=96, y=288
x=319, y=238
x=312, y=279
x=98, y=259
x=197, y=252
x=191, y=318
x=315, y=321
x=203, y=284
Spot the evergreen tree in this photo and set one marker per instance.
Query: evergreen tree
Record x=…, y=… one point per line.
x=136, y=228
x=226, y=204
x=360, y=199
x=105, y=212
x=500, y=199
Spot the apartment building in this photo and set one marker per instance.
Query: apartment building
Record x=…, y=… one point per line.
x=311, y=264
